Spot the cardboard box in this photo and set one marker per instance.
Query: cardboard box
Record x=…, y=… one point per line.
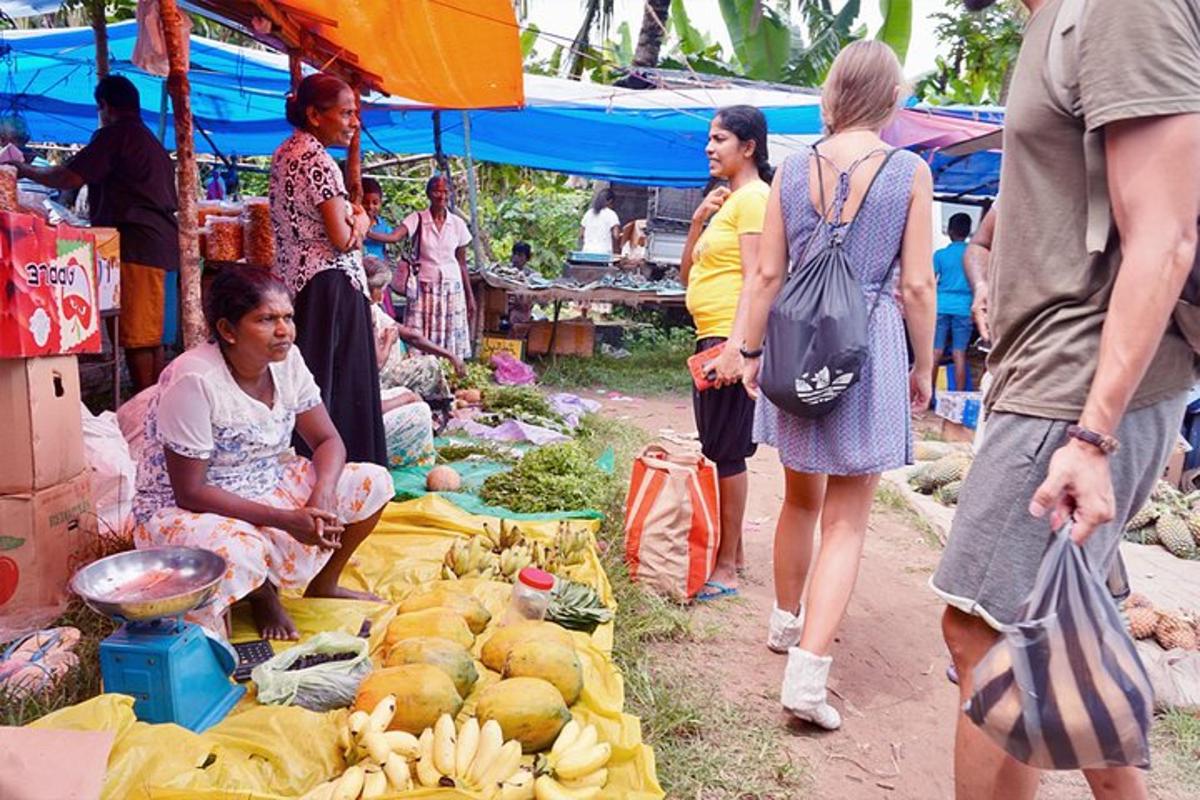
x=108, y=268
x=48, y=277
x=39, y=403
x=575, y=337
x=44, y=536
x=495, y=344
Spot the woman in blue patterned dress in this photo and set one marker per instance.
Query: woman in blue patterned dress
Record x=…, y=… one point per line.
x=832, y=463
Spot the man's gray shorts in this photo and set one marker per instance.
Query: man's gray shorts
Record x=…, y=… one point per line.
x=996, y=546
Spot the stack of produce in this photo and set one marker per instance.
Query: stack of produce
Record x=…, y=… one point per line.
x=942, y=478
x=522, y=403
x=478, y=377
x=576, y=767
x=1171, y=630
x=1169, y=519
x=557, y=477
x=927, y=450
x=577, y=606
x=379, y=759
x=502, y=554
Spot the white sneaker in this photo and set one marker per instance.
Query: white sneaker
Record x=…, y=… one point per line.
x=803, y=693
x=784, y=629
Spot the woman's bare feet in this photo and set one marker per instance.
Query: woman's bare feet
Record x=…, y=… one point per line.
x=269, y=615
x=316, y=589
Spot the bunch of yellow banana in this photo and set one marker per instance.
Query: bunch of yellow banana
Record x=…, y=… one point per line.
x=473, y=757
x=515, y=559
x=576, y=767
x=382, y=757
x=469, y=559
x=571, y=545
x=510, y=536
x=543, y=556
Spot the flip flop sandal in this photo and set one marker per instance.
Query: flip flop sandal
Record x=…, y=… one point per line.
x=721, y=591
x=38, y=645
x=39, y=676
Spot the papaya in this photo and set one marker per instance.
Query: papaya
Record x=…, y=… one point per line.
x=549, y=661
x=448, y=656
x=444, y=623
x=423, y=693
x=495, y=649
x=468, y=606
x=529, y=710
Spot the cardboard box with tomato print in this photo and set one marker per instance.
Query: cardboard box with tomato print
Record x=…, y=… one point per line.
x=43, y=535
x=48, y=278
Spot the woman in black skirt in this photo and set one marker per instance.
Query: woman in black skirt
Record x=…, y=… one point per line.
x=319, y=236
x=721, y=248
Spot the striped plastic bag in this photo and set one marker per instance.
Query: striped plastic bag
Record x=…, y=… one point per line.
x=672, y=522
x=1064, y=687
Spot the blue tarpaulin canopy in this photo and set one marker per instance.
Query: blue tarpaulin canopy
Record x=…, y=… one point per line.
x=651, y=137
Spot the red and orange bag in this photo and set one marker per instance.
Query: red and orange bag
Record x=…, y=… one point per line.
x=672, y=522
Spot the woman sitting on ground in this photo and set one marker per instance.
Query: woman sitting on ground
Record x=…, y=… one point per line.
x=395, y=344
x=218, y=472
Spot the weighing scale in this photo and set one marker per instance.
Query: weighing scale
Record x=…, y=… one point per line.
x=176, y=671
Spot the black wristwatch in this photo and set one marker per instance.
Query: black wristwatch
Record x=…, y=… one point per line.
x=1104, y=443
x=751, y=354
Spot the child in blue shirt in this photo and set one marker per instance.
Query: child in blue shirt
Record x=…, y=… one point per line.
x=954, y=296
x=381, y=233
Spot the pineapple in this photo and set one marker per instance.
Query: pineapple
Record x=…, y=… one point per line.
x=1142, y=621
x=1138, y=600
x=1174, y=535
x=1173, y=632
x=920, y=479
x=1147, y=534
x=1146, y=515
x=1193, y=523
x=949, y=469
x=948, y=495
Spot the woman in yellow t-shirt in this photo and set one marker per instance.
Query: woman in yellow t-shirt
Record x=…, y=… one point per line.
x=715, y=260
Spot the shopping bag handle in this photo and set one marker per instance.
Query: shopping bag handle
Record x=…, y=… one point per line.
x=657, y=452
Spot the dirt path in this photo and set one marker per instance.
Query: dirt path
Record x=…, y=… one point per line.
x=889, y=666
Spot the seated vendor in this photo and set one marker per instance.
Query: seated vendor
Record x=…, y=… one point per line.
x=520, y=309
x=218, y=472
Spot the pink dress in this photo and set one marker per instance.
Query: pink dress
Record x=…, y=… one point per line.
x=439, y=310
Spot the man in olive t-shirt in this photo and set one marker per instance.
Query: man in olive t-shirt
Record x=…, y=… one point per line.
x=1090, y=374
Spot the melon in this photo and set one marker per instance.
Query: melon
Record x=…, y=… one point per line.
x=446, y=595
x=443, y=623
x=495, y=649
x=529, y=710
x=444, y=654
x=423, y=693
x=443, y=479
x=550, y=661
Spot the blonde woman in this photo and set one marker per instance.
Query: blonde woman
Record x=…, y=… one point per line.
x=832, y=463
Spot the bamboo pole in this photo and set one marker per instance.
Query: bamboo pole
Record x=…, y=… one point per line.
x=354, y=154
x=472, y=190
x=194, y=329
x=100, y=28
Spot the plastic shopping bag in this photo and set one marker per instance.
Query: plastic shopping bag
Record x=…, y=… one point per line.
x=323, y=687
x=1064, y=687
x=672, y=522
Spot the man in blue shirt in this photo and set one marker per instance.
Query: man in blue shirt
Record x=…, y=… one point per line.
x=954, y=298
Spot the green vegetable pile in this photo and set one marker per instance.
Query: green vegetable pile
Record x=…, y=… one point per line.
x=521, y=403
x=479, y=450
x=557, y=477
x=479, y=376
x=576, y=606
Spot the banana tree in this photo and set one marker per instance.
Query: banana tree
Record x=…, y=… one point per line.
x=896, y=30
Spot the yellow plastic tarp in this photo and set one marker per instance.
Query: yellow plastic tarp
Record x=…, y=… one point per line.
x=268, y=752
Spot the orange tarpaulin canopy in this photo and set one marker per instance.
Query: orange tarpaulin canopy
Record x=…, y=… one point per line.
x=448, y=53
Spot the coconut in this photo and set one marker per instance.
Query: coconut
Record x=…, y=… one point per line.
x=443, y=479
x=470, y=396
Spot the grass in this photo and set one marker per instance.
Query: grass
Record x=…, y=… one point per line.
x=888, y=497
x=656, y=365
x=704, y=746
x=1175, y=741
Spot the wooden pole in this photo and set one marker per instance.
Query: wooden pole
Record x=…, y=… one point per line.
x=100, y=28
x=472, y=190
x=354, y=154
x=294, y=68
x=188, y=180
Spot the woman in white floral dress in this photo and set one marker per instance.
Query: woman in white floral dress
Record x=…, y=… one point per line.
x=218, y=472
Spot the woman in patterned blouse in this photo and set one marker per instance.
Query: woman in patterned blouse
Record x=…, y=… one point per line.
x=319, y=236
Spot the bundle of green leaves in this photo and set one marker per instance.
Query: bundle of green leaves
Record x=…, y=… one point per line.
x=557, y=477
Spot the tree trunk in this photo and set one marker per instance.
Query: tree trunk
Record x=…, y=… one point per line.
x=354, y=155
x=582, y=40
x=100, y=28
x=188, y=180
x=654, y=30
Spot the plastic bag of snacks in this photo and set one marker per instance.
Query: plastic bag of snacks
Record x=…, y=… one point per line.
x=258, y=235
x=321, y=674
x=224, y=240
x=8, y=188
